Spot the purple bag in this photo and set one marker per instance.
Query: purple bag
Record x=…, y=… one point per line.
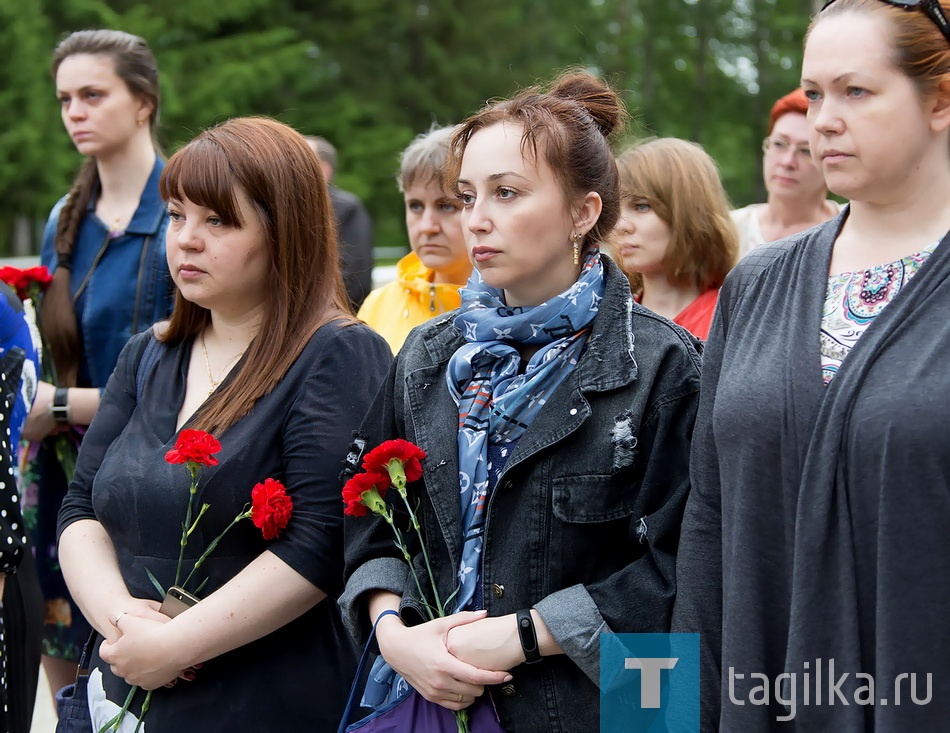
x=413, y=712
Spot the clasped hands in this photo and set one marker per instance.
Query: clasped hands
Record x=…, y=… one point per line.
x=138, y=649
x=449, y=661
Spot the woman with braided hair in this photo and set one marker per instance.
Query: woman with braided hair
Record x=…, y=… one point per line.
x=104, y=242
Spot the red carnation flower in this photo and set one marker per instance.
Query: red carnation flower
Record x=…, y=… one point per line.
x=28, y=282
x=270, y=507
x=406, y=453
x=356, y=487
x=194, y=446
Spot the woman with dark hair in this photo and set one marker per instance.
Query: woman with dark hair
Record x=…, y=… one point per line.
x=262, y=352
x=674, y=237
x=815, y=548
x=529, y=402
x=104, y=242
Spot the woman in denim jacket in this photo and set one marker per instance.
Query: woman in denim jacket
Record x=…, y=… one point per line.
x=556, y=417
x=105, y=245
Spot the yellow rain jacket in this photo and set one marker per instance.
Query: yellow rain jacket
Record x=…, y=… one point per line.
x=395, y=309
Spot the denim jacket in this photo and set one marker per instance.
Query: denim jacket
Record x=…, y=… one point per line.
x=584, y=523
x=123, y=284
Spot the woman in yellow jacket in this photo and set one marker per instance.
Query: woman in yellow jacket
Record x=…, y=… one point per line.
x=428, y=278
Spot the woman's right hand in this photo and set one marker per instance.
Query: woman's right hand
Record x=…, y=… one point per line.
x=420, y=655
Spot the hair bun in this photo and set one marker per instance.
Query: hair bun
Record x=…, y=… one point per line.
x=600, y=101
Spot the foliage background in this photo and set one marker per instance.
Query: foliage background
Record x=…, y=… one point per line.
x=370, y=74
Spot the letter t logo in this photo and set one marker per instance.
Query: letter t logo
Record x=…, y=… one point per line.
x=650, y=677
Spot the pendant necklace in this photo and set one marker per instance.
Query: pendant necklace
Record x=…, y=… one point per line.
x=215, y=383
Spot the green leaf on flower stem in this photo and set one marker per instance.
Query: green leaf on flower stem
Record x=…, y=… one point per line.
x=201, y=587
x=158, y=586
x=110, y=724
x=454, y=593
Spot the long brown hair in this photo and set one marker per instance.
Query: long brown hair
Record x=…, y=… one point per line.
x=570, y=126
x=681, y=184
x=272, y=165
x=135, y=65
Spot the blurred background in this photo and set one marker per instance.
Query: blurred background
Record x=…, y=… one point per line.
x=370, y=74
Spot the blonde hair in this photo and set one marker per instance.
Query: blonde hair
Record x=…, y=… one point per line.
x=681, y=183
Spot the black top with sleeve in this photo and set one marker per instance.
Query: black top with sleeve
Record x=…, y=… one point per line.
x=297, y=677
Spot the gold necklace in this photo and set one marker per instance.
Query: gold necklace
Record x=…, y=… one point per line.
x=225, y=369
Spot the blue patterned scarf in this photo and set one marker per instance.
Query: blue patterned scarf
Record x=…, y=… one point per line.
x=495, y=402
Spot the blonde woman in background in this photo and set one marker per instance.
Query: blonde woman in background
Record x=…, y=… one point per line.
x=674, y=239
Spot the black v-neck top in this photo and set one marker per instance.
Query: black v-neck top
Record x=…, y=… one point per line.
x=298, y=434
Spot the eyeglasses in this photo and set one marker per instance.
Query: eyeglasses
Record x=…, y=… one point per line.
x=931, y=9
x=780, y=147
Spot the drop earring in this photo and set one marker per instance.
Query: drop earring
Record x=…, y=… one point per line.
x=577, y=249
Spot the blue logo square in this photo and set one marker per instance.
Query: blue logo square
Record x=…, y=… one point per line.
x=649, y=683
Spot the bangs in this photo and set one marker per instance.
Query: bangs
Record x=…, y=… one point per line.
x=200, y=173
x=638, y=178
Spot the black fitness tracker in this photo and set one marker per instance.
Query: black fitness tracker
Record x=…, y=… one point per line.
x=60, y=407
x=529, y=638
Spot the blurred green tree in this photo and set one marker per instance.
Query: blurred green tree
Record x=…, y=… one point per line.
x=370, y=74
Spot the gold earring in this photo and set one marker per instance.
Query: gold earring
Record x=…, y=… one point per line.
x=577, y=249
x=140, y=122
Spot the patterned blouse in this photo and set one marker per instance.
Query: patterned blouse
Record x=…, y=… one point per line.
x=854, y=299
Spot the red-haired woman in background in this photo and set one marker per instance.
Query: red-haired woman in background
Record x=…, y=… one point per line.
x=797, y=194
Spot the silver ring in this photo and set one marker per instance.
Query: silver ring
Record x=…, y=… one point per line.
x=116, y=621
x=460, y=697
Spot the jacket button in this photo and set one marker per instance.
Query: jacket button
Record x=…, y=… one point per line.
x=498, y=590
x=508, y=690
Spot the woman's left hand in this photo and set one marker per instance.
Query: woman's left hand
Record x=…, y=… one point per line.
x=40, y=423
x=491, y=643
x=144, y=655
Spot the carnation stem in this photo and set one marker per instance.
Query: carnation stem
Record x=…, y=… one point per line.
x=117, y=720
x=145, y=706
x=204, y=555
x=425, y=553
x=192, y=490
x=401, y=544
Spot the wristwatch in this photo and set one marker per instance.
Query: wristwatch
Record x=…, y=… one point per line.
x=529, y=637
x=60, y=407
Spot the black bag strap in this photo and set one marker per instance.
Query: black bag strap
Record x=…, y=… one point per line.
x=88, y=648
x=353, y=701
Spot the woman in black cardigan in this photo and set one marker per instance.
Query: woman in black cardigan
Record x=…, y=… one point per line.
x=815, y=541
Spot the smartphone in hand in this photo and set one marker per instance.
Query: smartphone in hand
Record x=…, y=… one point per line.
x=176, y=601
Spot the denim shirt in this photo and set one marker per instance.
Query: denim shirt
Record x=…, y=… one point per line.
x=584, y=523
x=125, y=282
